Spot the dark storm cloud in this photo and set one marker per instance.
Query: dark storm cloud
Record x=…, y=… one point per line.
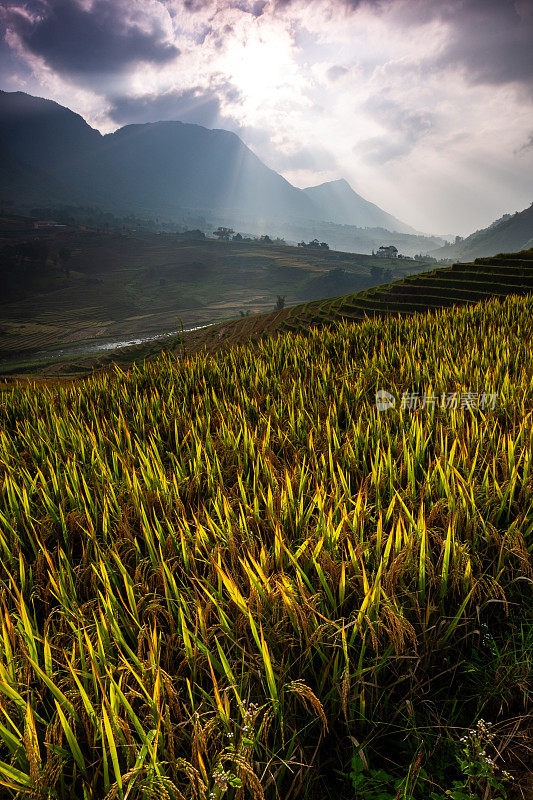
x=76, y=41
x=492, y=40
x=489, y=39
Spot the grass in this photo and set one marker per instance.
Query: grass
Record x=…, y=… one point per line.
x=229, y=575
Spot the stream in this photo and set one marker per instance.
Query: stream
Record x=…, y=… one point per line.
x=105, y=347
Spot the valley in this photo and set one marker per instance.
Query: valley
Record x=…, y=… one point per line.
x=128, y=284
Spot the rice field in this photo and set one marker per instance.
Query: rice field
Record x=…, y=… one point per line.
x=456, y=285
x=231, y=576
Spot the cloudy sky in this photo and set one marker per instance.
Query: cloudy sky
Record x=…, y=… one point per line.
x=424, y=106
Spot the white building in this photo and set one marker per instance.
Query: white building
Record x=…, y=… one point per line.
x=387, y=251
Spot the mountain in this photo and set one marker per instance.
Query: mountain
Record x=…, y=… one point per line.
x=47, y=146
x=184, y=165
x=155, y=167
x=509, y=234
x=164, y=168
x=43, y=133
x=337, y=202
x=27, y=183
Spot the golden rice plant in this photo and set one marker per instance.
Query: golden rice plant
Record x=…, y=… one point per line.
x=216, y=570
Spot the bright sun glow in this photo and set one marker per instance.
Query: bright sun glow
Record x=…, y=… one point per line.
x=262, y=68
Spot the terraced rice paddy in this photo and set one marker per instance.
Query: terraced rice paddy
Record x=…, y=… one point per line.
x=456, y=285
x=231, y=576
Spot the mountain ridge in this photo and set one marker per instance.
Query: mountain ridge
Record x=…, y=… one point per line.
x=161, y=167
x=349, y=208
x=510, y=233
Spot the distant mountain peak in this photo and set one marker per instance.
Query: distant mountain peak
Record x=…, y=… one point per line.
x=339, y=182
x=338, y=202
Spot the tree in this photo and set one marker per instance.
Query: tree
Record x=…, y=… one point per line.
x=223, y=234
x=237, y=237
x=280, y=302
x=265, y=238
x=314, y=243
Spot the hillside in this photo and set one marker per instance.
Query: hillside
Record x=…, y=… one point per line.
x=338, y=203
x=43, y=133
x=457, y=285
x=509, y=234
x=45, y=348
x=117, y=285
x=432, y=290
x=265, y=587
x=28, y=185
x=168, y=168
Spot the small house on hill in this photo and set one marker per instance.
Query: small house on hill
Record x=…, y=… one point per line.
x=387, y=251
